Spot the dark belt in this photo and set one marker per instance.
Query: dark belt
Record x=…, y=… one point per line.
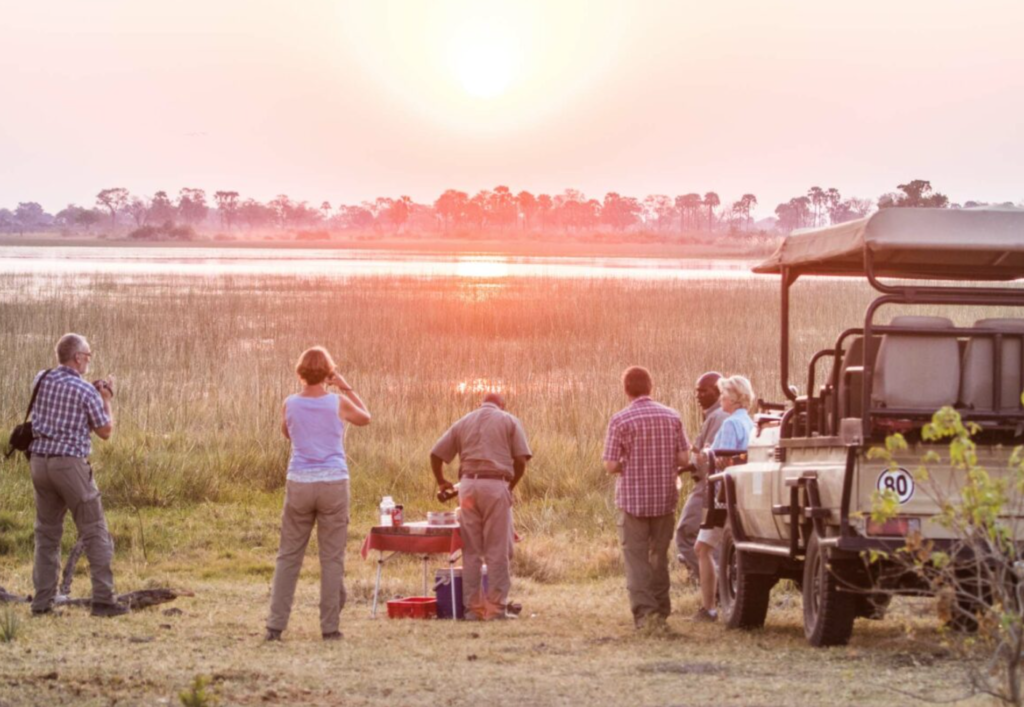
x=55, y=456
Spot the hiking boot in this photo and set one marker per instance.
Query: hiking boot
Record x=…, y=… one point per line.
x=109, y=610
x=514, y=608
x=332, y=636
x=274, y=635
x=48, y=611
x=705, y=616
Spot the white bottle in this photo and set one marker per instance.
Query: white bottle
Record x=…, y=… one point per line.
x=386, y=506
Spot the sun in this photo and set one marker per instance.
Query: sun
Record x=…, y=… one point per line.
x=484, y=58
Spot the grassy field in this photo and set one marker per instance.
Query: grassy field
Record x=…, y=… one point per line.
x=193, y=483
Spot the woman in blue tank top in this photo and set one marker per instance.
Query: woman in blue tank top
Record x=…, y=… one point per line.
x=317, y=489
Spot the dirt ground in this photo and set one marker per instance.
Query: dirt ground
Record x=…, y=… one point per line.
x=573, y=645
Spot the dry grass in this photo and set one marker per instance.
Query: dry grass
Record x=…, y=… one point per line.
x=193, y=479
x=573, y=646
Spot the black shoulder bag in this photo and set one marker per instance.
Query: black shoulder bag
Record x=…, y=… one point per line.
x=21, y=435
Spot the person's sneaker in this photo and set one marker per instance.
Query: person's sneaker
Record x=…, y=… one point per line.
x=332, y=636
x=48, y=611
x=503, y=616
x=470, y=616
x=514, y=607
x=109, y=610
x=705, y=616
x=274, y=635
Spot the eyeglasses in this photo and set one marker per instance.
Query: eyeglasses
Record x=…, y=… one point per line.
x=87, y=354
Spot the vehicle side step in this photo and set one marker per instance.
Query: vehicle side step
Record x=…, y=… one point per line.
x=765, y=548
x=781, y=510
x=813, y=513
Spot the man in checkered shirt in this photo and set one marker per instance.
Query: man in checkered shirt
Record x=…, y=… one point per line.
x=66, y=412
x=644, y=448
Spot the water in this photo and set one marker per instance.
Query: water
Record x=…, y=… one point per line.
x=213, y=261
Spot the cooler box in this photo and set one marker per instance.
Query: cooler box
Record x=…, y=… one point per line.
x=413, y=608
x=443, y=592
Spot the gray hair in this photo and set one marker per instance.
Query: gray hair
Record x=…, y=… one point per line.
x=69, y=345
x=738, y=390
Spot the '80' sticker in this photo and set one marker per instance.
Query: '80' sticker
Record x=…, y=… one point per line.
x=899, y=481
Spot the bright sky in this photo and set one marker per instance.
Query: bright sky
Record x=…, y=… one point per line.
x=344, y=101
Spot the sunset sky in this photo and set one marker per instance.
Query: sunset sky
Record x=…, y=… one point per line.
x=345, y=101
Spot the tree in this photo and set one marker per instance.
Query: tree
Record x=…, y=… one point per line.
x=712, y=202
x=545, y=209
x=851, y=209
x=113, y=199
x=192, y=205
x=832, y=201
x=817, y=197
x=29, y=216
x=227, y=207
x=917, y=193
x=744, y=206
x=620, y=212
x=451, y=206
x=138, y=209
x=502, y=207
x=161, y=210
x=325, y=210
x=977, y=576
x=688, y=206
x=659, y=211
x=794, y=214
x=527, y=204
x=398, y=212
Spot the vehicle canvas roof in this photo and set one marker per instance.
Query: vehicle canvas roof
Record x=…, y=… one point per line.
x=953, y=244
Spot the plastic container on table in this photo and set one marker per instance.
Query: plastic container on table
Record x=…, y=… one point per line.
x=412, y=608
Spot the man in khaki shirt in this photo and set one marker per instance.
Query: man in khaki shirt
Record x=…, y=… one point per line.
x=492, y=450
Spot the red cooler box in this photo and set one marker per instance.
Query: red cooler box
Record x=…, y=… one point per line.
x=413, y=608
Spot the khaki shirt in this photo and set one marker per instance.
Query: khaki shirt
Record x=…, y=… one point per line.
x=486, y=440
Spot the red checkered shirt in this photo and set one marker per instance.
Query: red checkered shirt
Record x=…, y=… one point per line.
x=646, y=438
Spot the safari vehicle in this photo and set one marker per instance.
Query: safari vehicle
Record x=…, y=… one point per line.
x=799, y=504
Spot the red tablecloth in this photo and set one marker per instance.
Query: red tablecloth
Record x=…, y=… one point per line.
x=434, y=540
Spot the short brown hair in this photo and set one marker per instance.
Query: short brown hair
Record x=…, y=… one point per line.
x=637, y=381
x=314, y=365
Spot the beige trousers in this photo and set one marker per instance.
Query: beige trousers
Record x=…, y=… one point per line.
x=62, y=484
x=326, y=504
x=486, y=530
x=645, y=544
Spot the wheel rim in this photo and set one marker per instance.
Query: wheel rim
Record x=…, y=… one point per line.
x=815, y=588
x=734, y=574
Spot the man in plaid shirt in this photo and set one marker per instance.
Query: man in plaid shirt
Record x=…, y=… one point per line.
x=644, y=448
x=67, y=410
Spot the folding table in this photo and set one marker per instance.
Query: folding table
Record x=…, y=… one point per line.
x=417, y=538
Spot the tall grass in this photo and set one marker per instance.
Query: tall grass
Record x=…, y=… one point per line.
x=203, y=366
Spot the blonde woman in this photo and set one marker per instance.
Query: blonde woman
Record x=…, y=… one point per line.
x=317, y=489
x=737, y=395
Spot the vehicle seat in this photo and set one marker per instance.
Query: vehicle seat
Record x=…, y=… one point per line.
x=851, y=376
x=979, y=367
x=917, y=371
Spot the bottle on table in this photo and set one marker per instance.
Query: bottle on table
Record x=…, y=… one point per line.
x=387, y=506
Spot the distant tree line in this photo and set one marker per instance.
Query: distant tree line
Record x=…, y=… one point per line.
x=454, y=212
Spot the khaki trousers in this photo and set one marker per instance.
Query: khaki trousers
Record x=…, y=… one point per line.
x=645, y=544
x=486, y=530
x=326, y=504
x=62, y=484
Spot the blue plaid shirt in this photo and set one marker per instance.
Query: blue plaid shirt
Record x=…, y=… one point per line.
x=66, y=412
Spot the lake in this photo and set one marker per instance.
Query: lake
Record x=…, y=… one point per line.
x=214, y=261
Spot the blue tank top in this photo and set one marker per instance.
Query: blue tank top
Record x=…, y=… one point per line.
x=317, y=433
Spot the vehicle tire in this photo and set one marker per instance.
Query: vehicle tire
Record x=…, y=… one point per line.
x=742, y=595
x=828, y=612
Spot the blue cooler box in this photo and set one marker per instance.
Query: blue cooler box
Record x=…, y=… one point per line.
x=443, y=593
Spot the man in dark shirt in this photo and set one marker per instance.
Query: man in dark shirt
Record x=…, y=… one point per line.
x=693, y=510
